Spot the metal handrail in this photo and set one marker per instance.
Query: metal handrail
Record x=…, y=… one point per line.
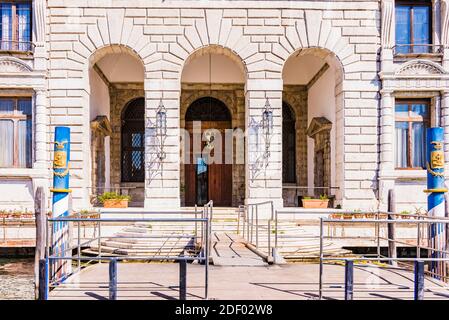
x=249, y=214
x=422, y=220
x=66, y=254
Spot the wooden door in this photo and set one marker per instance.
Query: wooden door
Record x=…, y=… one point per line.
x=219, y=175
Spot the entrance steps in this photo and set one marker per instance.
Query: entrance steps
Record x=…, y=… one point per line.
x=173, y=239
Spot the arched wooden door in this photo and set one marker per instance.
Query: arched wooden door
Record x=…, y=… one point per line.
x=205, y=180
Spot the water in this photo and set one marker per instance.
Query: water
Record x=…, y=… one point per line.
x=16, y=279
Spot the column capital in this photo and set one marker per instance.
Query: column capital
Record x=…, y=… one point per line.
x=386, y=92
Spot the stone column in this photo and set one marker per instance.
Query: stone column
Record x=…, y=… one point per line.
x=386, y=174
x=162, y=176
x=387, y=34
x=445, y=125
x=264, y=184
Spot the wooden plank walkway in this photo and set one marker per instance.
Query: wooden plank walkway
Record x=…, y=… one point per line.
x=229, y=249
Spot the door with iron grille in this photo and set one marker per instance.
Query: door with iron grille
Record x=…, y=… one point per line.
x=133, y=141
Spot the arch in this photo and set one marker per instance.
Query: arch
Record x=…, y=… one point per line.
x=216, y=50
x=133, y=141
x=325, y=72
x=208, y=109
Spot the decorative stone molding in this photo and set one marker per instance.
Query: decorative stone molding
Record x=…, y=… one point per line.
x=39, y=21
x=319, y=130
x=101, y=124
x=13, y=65
x=388, y=24
x=444, y=7
x=420, y=67
x=318, y=125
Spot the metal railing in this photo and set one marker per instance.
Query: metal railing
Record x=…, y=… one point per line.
x=17, y=46
x=422, y=49
x=253, y=225
x=199, y=242
x=390, y=220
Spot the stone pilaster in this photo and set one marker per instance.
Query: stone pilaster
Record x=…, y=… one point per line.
x=386, y=175
x=264, y=184
x=162, y=176
x=444, y=13
x=40, y=117
x=387, y=35
x=445, y=125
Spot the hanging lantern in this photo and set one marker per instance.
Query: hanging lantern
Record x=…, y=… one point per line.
x=161, y=128
x=267, y=120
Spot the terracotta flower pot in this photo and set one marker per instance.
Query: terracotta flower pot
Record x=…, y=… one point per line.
x=315, y=203
x=359, y=215
x=115, y=203
x=348, y=216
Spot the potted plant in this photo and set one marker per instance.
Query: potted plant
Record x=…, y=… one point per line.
x=321, y=203
x=348, y=215
x=114, y=200
x=358, y=214
x=405, y=214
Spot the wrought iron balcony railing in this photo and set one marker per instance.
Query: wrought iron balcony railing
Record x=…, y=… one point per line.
x=17, y=46
x=417, y=49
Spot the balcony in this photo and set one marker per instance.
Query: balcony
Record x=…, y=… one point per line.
x=13, y=47
x=405, y=52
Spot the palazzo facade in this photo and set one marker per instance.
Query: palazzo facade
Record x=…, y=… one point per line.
x=352, y=86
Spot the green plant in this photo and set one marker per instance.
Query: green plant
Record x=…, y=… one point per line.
x=338, y=206
x=112, y=196
x=307, y=198
x=405, y=212
x=324, y=197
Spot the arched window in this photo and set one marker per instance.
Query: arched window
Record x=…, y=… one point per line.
x=133, y=141
x=288, y=145
x=208, y=109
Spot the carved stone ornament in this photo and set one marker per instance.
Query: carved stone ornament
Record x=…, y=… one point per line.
x=388, y=23
x=420, y=67
x=13, y=65
x=444, y=6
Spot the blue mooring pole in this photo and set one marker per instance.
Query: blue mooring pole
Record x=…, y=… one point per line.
x=60, y=269
x=435, y=200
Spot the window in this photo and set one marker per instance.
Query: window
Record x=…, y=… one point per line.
x=412, y=120
x=288, y=145
x=15, y=25
x=133, y=142
x=15, y=132
x=413, y=27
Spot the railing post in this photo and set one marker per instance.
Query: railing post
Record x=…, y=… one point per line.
x=41, y=236
x=419, y=280
x=320, y=286
x=349, y=280
x=392, y=251
x=43, y=280
x=113, y=279
x=183, y=279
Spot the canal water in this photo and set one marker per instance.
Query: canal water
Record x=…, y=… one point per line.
x=16, y=279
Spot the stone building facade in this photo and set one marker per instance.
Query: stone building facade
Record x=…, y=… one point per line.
x=334, y=64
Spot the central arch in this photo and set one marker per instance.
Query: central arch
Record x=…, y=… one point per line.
x=206, y=180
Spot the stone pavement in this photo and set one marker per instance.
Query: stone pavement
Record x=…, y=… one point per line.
x=291, y=281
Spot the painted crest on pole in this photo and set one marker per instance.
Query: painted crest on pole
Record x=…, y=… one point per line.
x=60, y=269
x=436, y=189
